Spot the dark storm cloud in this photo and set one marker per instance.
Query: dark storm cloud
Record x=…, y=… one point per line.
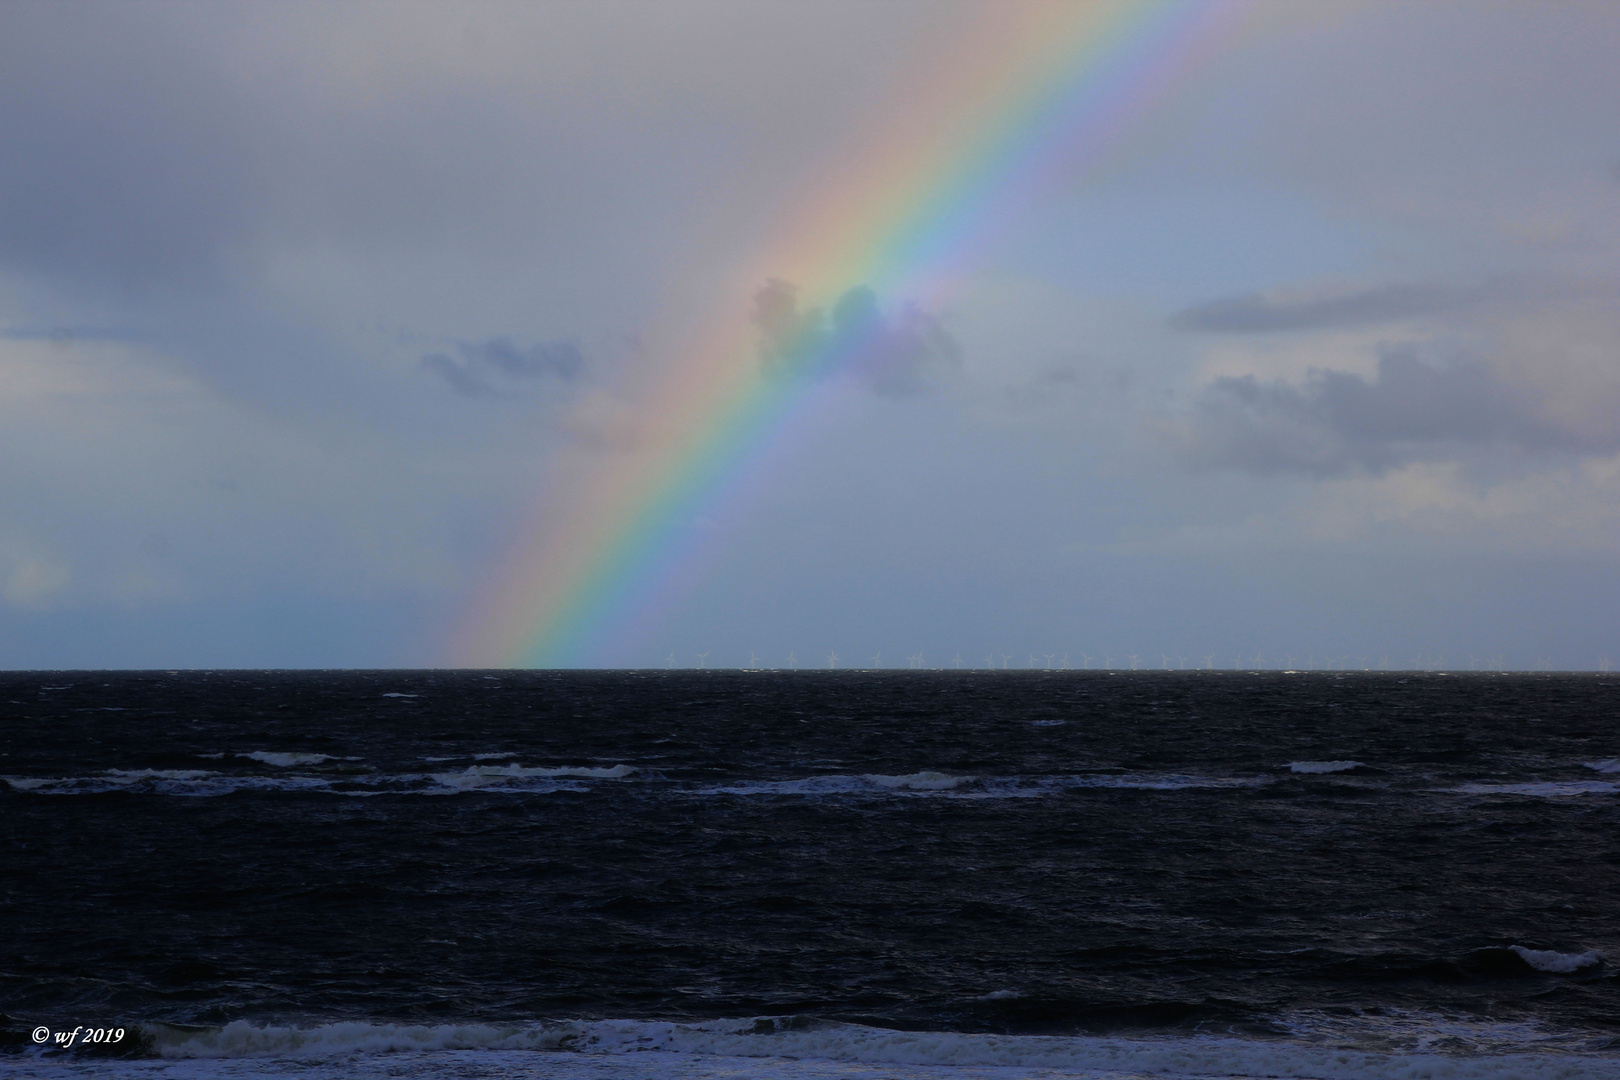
x=125, y=160
x=1338, y=422
x=484, y=366
x=899, y=355
x=1257, y=314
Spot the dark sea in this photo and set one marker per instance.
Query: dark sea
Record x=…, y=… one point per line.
x=785, y=875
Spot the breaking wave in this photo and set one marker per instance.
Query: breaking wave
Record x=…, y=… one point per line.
x=784, y=1046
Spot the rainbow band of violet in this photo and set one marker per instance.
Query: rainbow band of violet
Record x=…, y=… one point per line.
x=1033, y=92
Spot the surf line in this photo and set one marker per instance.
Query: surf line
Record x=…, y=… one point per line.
x=1031, y=92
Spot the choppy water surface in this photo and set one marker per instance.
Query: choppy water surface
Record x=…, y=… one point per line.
x=811, y=874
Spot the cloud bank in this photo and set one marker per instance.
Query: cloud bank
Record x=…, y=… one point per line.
x=1337, y=422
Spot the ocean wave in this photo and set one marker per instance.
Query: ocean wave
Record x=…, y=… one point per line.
x=768, y=1047
x=918, y=781
x=1558, y=963
x=1316, y=767
x=1612, y=765
x=943, y=785
x=510, y=776
x=286, y=760
x=198, y=782
x=1544, y=789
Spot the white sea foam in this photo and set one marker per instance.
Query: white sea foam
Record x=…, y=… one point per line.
x=943, y=785
x=508, y=776
x=399, y=695
x=1612, y=765
x=1313, y=767
x=197, y=782
x=1556, y=962
x=755, y=1048
x=483, y=757
x=286, y=760
x=1160, y=781
x=918, y=781
x=135, y=776
x=844, y=784
x=1544, y=789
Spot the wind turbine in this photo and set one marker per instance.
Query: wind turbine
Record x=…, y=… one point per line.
x=1132, y=658
x=1004, y=658
x=990, y=661
x=877, y=660
x=832, y=660
x=669, y=661
x=1086, y=660
x=1048, y=660
x=793, y=662
x=1209, y=662
x=702, y=656
x=753, y=661
x=957, y=663
x=1164, y=661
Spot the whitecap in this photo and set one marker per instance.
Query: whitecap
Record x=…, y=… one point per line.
x=917, y=781
x=186, y=782
x=286, y=760
x=1556, y=962
x=243, y=1039
x=1545, y=789
x=1612, y=765
x=483, y=776
x=133, y=776
x=1314, y=767
x=1162, y=781
x=768, y=1049
x=399, y=695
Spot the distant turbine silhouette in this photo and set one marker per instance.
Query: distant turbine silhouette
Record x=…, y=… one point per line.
x=877, y=660
x=793, y=662
x=669, y=661
x=702, y=656
x=1132, y=658
x=957, y=663
x=832, y=660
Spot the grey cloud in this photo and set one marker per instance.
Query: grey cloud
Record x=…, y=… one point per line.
x=1338, y=422
x=486, y=367
x=1258, y=314
x=126, y=160
x=899, y=355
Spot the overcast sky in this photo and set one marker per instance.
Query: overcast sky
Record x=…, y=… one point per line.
x=300, y=303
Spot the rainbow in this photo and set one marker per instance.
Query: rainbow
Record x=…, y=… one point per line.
x=1033, y=92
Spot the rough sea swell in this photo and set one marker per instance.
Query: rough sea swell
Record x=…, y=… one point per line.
x=1172, y=873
